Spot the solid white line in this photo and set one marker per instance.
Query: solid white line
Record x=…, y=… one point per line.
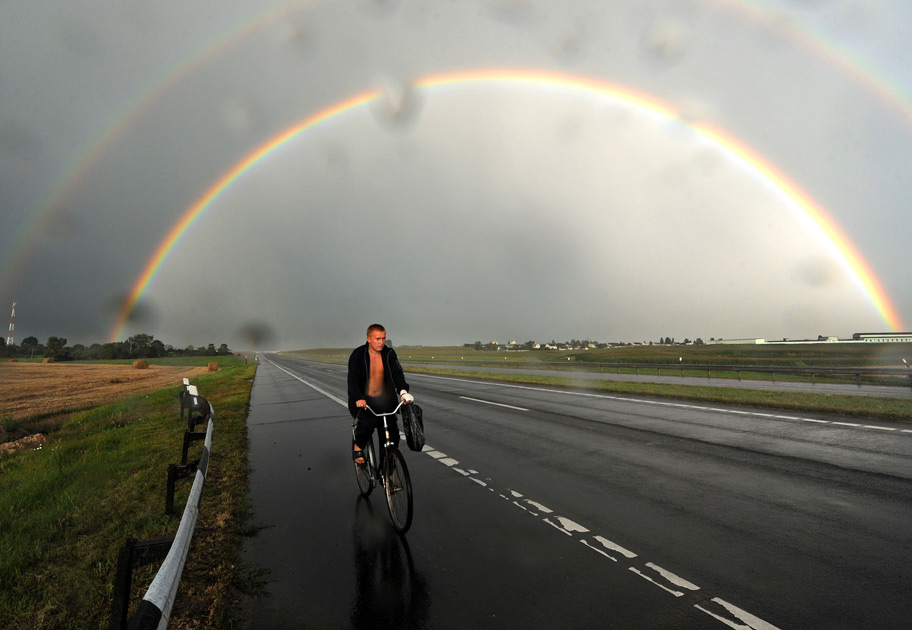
x=311, y=385
x=631, y=400
x=488, y=402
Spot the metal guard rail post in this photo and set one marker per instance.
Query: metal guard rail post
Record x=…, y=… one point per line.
x=155, y=609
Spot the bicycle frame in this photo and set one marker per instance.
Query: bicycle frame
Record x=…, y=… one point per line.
x=388, y=441
x=388, y=468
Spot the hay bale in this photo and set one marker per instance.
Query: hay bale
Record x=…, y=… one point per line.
x=213, y=366
x=48, y=360
x=141, y=364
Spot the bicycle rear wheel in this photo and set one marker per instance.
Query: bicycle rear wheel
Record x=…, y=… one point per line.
x=398, y=490
x=364, y=473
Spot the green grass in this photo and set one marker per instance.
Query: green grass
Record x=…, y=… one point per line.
x=820, y=355
x=68, y=508
x=861, y=355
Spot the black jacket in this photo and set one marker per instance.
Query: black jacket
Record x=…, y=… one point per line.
x=359, y=371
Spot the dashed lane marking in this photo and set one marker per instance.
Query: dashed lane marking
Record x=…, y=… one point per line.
x=669, y=582
x=661, y=403
x=724, y=610
x=488, y=402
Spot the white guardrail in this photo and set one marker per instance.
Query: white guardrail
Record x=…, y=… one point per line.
x=154, y=610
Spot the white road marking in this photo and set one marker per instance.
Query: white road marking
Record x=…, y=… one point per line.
x=661, y=586
x=539, y=506
x=311, y=385
x=597, y=550
x=615, y=547
x=753, y=623
x=569, y=527
x=671, y=577
x=488, y=402
x=646, y=402
x=870, y=426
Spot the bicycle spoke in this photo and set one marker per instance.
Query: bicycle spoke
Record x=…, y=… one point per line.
x=398, y=491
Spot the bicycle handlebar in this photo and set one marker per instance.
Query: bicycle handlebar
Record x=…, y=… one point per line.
x=389, y=413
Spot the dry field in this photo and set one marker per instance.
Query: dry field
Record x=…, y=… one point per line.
x=38, y=390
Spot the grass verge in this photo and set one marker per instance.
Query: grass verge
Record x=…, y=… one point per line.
x=894, y=409
x=69, y=507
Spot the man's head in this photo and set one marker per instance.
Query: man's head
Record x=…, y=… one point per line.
x=376, y=337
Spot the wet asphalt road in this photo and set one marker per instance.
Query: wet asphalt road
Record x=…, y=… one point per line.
x=544, y=509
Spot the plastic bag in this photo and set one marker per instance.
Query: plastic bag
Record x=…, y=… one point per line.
x=413, y=425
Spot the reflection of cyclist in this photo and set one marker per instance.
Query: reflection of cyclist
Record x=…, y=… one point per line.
x=374, y=378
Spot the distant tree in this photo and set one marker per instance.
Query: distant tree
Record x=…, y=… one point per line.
x=139, y=346
x=55, y=348
x=157, y=349
x=210, y=351
x=698, y=342
x=223, y=349
x=29, y=342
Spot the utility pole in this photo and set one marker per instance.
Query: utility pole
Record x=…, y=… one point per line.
x=9, y=339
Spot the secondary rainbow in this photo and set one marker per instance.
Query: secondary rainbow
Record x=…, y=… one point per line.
x=854, y=263
x=874, y=80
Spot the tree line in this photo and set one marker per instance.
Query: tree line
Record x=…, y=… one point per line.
x=136, y=347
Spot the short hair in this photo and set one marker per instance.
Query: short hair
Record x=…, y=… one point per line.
x=373, y=327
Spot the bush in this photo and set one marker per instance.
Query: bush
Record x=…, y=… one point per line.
x=9, y=424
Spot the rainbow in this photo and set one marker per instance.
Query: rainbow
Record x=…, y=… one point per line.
x=866, y=74
x=851, y=258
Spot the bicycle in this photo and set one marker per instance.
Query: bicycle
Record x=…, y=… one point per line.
x=390, y=471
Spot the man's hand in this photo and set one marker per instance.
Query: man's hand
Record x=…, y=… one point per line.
x=361, y=403
x=406, y=397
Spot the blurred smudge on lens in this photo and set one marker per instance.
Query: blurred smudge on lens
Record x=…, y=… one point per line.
x=257, y=334
x=398, y=107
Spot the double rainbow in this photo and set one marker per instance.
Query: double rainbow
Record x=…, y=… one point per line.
x=859, y=270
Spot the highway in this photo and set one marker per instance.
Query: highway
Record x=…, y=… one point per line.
x=583, y=375
x=541, y=508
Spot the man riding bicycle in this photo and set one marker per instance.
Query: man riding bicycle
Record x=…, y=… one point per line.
x=374, y=378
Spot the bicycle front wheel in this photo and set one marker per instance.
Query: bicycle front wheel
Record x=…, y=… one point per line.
x=365, y=472
x=398, y=490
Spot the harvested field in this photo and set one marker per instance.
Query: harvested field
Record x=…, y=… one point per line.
x=37, y=390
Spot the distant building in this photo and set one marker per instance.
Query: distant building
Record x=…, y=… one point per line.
x=739, y=342
x=900, y=337
x=903, y=337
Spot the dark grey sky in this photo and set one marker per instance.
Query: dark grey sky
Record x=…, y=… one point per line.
x=498, y=209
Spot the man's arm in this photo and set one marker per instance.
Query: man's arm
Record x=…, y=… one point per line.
x=356, y=398
x=398, y=374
